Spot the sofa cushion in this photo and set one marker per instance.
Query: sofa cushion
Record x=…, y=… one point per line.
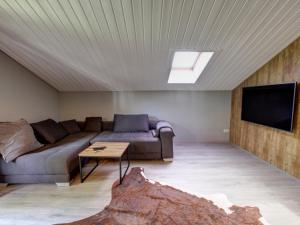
x=49, y=130
x=125, y=136
x=16, y=139
x=131, y=123
x=142, y=144
x=72, y=139
x=70, y=126
x=58, y=158
x=93, y=124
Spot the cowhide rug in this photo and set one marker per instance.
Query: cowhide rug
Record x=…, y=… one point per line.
x=140, y=201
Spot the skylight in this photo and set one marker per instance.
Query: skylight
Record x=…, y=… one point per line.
x=188, y=66
x=185, y=60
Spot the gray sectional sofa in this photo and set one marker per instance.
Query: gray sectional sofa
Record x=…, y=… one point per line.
x=58, y=162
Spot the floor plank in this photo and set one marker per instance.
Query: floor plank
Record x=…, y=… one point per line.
x=198, y=168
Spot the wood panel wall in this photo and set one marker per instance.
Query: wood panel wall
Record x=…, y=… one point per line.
x=279, y=148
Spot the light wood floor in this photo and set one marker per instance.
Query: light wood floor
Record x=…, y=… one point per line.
x=200, y=168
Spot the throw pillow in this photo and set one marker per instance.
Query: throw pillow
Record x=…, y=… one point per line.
x=70, y=126
x=49, y=130
x=131, y=123
x=16, y=139
x=93, y=124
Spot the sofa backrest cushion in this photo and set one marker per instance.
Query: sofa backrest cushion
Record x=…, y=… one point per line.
x=70, y=126
x=131, y=123
x=49, y=130
x=108, y=125
x=81, y=125
x=16, y=139
x=93, y=124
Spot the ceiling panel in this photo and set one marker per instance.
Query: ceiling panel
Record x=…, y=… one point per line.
x=92, y=45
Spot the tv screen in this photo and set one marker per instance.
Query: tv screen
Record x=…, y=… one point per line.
x=270, y=105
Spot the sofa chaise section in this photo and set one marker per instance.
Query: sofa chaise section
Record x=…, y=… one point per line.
x=53, y=163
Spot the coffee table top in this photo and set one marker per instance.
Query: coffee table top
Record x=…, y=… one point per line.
x=112, y=150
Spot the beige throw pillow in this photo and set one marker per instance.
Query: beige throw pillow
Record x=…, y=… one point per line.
x=16, y=139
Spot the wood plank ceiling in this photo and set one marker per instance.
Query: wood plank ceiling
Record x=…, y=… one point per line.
x=90, y=45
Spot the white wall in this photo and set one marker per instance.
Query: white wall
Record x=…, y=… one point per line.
x=23, y=95
x=196, y=115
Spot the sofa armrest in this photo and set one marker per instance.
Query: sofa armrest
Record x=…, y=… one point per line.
x=165, y=133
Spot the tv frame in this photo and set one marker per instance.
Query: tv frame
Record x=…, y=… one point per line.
x=268, y=85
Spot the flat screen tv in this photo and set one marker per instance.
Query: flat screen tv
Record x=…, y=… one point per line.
x=270, y=105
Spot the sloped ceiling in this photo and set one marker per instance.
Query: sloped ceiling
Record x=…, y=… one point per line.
x=90, y=45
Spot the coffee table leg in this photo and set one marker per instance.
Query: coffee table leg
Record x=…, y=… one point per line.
x=80, y=169
x=120, y=169
x=120, y=166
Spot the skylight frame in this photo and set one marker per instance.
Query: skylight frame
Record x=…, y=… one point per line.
x=189, y=75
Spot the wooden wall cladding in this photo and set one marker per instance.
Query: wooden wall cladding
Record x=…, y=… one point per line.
x=280, y=148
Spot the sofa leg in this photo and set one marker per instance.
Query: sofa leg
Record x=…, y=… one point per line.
x=168, y=159
x=64, y=184
x=3, y=184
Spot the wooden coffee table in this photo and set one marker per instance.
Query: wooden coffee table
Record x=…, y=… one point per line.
x=113, y=150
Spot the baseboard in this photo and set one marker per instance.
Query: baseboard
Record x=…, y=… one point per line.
x=168, y=159
x=64, y=184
